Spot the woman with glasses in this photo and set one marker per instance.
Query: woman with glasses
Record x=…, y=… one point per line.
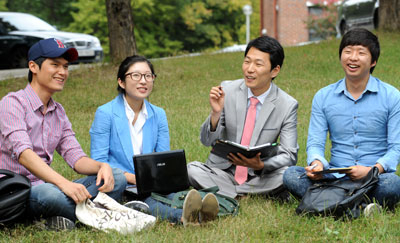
x=130, y=125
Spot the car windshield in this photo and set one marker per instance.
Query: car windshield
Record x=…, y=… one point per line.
x=25, y=23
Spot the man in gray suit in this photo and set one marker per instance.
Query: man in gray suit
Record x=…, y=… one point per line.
x=275, y=115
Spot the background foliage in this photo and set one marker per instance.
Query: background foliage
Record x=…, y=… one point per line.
x=162, y=27
x=3, y=5
x=56, y=12
x=323, y=26
x=181, y=88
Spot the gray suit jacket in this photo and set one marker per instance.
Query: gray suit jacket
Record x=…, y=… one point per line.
x=277, y=119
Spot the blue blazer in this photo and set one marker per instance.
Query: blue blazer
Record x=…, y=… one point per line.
x=110, y=135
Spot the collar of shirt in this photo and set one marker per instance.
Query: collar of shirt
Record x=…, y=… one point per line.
x=261, y=98
x=372, y=86
x=35, y=101
x=131, y=114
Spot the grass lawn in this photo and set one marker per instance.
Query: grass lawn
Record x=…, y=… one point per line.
x=182, y=88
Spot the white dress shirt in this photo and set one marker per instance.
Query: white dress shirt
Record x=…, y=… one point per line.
x=136, y=130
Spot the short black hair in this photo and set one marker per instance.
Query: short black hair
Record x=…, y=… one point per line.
x=39, y=61
x=126, y=64
x=268, y=45
x=363, y=37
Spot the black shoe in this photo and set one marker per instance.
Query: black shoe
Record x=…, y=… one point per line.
x=138, y=206
x=58, y=223
x=283, y=197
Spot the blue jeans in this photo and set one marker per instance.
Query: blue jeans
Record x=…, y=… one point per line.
x=163, y=211
x=47, y=200
x=386, y=193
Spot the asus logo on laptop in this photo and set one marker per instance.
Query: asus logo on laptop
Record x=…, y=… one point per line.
x=160, y=164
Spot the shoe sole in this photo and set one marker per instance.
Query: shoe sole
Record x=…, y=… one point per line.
x=191, y=208
x=210, y=208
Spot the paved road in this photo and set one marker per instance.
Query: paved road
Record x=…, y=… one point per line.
x=23, y=72
x=13, y=73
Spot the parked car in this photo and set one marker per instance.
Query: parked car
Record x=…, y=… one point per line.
x=19, y=31
x=361, y=13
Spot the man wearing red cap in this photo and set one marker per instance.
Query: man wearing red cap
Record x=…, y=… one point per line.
x=33, y=125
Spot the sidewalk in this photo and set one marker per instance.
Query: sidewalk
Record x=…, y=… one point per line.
x=23, y=72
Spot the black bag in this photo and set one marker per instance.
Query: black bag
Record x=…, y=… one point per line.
x=338, y=197
x=14, y=194
x=227, y=205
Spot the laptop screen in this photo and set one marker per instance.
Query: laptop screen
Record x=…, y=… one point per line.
x=161, y=172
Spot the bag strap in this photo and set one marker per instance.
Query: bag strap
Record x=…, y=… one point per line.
x=7, y=173
x=213, y=189
x=161, y=198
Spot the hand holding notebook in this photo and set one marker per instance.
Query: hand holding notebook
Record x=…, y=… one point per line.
x=333, y=170
x=223, y=147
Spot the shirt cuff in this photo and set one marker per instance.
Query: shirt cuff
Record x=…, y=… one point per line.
x=384, y=165
x=72, y=159
x=320, y=158
x=18, y=151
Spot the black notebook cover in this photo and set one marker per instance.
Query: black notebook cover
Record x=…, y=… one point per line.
x=223, y=147
x=333, y=170
x=161, y=172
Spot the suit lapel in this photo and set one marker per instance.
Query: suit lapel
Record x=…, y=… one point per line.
x=241, y=107
x=267, y=107
x=122, y=126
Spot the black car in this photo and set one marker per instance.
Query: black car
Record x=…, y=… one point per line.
x=360, y=13
x=19, y=31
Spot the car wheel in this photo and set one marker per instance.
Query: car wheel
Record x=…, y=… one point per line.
x=343, y=28
x=19, y=58
x=376, y=19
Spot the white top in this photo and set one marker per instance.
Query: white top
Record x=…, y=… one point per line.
x=136, y=130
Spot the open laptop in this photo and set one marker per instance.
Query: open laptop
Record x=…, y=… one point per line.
x=161, y=172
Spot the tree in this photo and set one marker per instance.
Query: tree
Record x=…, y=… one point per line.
x=56, y=12
x=171, y=27
x=3, y=5
x=212, y=23
x=389, y=15
x=120, y=29
x=91, y=18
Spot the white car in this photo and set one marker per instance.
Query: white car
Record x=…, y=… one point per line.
x=19, y=31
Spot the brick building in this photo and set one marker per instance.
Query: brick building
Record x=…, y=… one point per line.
x=285, y=20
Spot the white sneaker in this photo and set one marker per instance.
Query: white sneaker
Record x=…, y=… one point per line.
x=138, y=206
x=59, y=223
x=372, y=209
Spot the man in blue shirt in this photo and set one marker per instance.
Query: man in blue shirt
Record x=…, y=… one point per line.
x=362, y=115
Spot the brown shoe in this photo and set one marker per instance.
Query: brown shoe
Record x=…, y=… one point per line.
x=209, y=209
x=191, y=208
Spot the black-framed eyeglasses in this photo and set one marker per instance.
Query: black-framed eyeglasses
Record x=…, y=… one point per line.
x=135, y=76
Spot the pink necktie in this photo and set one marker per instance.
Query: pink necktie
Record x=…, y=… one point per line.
x=241, y=171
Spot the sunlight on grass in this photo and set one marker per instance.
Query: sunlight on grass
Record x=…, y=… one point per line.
x=182, y=88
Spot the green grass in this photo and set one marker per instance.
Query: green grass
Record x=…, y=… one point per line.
x=182, y=88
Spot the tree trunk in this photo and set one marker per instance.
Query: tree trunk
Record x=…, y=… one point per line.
x=389, y=15
x=120, y=28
